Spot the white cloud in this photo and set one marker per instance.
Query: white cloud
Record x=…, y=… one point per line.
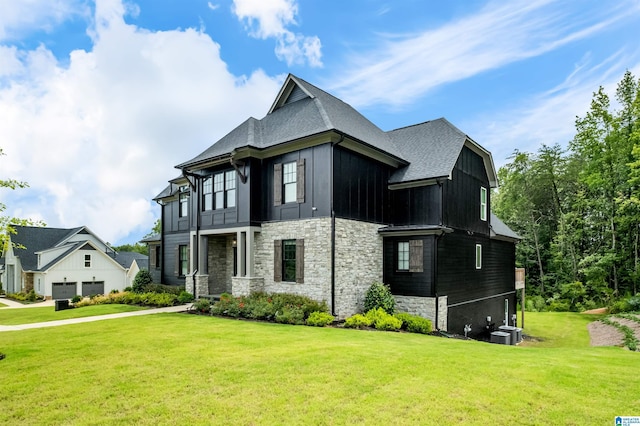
x=19, y=16
x=404, y=68
x=212, y=6
x=98, y=134
x=549, y=118
x=269, y=19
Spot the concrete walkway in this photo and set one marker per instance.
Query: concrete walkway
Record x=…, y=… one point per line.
x=13, y=304
x=170, y=309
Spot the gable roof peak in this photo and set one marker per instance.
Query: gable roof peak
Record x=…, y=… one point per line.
x=292, y=90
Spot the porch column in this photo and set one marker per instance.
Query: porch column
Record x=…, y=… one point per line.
x=250, y=252
x=241, y=238
x=203, y=253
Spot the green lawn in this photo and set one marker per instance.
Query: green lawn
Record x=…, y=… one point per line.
x=32, y=315
x=187, y=369
x=2, y=305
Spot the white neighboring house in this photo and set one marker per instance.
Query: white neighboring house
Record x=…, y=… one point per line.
x=61, y=263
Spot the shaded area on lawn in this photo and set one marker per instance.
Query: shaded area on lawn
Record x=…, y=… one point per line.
x=45, y=314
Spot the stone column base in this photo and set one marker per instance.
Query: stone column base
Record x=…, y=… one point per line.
x=201, y=285
x=243, y=286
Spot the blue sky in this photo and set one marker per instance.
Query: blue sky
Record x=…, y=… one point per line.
x=100, y=100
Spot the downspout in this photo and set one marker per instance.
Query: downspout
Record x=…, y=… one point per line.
x=435, y=256
x=333, y=232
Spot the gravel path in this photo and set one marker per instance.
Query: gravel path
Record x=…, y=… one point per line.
x=602, y=334
x=607, y=335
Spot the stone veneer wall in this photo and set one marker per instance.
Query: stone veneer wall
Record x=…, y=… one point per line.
x=317, y=256
x=220, y=262
x=358, y=264
x=424, y=307
x=243, y=286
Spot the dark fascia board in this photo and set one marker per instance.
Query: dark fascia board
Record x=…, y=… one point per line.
x=418, y=183
x=331, y=136
x=409, y=231
x=505, y=238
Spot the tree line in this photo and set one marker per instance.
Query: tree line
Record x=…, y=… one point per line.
x=578, y=209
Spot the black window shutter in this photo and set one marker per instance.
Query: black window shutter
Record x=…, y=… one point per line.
x=416, y=258
x=299, y=261
x=176, y=270
x=277, y=184
x=300, y=181
x=277, y=260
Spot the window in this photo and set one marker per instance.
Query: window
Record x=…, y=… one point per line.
x=289, y=181
x=403, y=256
x=183, y=208
x=230, y=188
x=157, y=255
x=483, y=203
x=87, y=261
x=183, y=260
x=478, y=256
x=288, y=260
x=224, y=190
x=207, y=194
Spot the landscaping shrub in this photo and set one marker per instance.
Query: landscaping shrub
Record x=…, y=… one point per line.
x=31, y=296
x=76, y=298
x=162, y=288
x=185, y=297
x=319, y=319
x=535, y=304
x=627, y=304
x=142, y=279
x=357, y=321
x=381, y=320
x=414, y=323
x=202, y=306
x=379, y=296
x=290, y=315
x=159, y=300
x=279, y=307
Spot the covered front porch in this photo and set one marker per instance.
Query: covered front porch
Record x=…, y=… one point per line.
x=222, y=261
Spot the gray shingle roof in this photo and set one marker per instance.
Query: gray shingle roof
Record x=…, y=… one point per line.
x=306, y=117
x=500, y=229
x=125, y=259
x=36, y=239
x=433, y=146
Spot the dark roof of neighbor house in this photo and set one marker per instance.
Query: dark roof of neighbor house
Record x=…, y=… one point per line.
x=126, y=258
x=429, y=150
x=151, y=238
x=500, y=229
x=35, y=239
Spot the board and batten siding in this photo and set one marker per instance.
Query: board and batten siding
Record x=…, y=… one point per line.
x=418, y=280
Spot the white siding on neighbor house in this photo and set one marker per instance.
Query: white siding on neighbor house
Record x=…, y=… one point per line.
x=131, y=273
x=89, y=237
x=12, y=273
x=49, y=255
x=103, y=268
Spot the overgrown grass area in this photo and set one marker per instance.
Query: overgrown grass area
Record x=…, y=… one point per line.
x=44, y=314
x=168, y=368
x=558, y=329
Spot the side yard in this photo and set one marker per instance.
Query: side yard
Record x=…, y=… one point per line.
x=165, y=368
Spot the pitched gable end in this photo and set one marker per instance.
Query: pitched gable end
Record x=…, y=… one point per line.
x=290, y=92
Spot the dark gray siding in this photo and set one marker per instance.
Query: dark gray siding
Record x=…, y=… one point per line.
x=409, y=283
x=317, y=185
x=476, y=313
x=169, y=256
x=360, y=187
x=417, y=206
x=462, y=194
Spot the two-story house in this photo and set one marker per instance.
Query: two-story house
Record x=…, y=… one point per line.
x=315, y=199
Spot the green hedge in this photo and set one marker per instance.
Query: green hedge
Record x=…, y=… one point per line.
x=158, y=300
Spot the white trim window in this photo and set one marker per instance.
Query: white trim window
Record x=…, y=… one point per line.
x=87, y=261
x=478, y=256
x=289, y=181
x=483, y=203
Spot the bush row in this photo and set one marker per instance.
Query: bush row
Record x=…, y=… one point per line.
x=281, y=308
x=381, y=320
x=31, y=296
x=143, y=299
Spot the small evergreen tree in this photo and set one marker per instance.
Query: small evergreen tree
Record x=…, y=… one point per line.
x=142, y=279
x=379, y=296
